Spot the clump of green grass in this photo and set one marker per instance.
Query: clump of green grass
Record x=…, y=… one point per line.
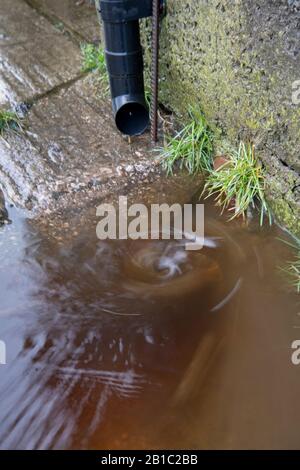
x=292, y=269
x=241, y=181
x=93, y=58
x=191, y=148
x=9, y=122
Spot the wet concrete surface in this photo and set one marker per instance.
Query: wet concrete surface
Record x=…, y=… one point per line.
x=35, y=56
x=69, y=150
x=76, y=17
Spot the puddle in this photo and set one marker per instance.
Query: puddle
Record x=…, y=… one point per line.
x=116, y=345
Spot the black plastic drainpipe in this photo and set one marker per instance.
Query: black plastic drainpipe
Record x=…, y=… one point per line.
x=124, y=59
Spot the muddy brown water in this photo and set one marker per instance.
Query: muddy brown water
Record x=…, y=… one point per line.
x=122, y=344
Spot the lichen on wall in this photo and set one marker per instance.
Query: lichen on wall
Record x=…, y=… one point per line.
x=238, y=60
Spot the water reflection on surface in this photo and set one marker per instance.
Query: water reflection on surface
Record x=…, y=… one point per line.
x=141, y=345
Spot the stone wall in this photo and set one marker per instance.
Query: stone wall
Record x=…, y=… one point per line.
x=239, y=59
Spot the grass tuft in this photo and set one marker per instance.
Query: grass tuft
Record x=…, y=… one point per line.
x=93, y=58
x=238, y=185
x=191, y=148
x=240, y=180
x=9, y=122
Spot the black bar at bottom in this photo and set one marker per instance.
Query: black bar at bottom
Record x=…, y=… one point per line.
x=135, y=459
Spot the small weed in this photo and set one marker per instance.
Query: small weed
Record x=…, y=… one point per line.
x=10, y=122
x=192, y=147
x=292, y=269
x=93, y=58
x=59, y=26
x=242, y=180
x=94, y=61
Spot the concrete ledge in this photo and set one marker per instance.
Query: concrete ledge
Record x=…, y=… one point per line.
x=35, y=57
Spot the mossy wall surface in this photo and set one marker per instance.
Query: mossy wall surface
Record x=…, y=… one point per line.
x=239, y=59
